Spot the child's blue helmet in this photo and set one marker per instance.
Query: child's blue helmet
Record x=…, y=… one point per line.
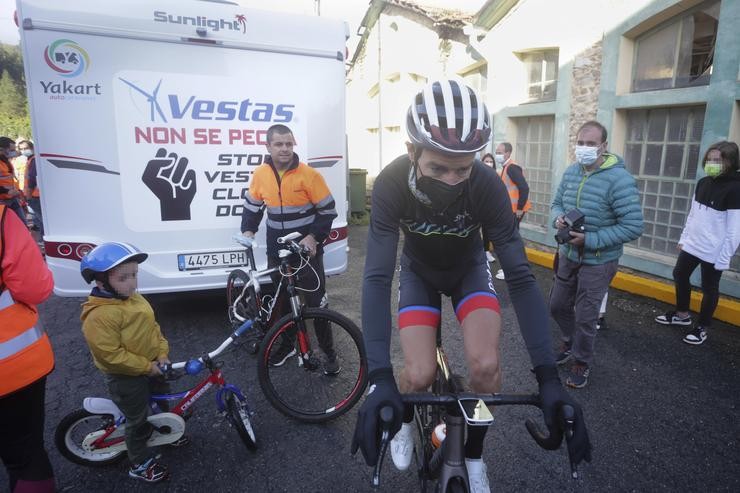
x=104, y=257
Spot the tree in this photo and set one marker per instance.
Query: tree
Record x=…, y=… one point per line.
x=14, y=121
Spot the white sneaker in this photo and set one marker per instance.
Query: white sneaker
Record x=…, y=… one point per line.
x=402, y=446
x=477, y=476
x=500, y=275
x=490, y=257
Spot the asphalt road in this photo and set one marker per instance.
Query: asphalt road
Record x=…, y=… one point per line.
x=663, y=415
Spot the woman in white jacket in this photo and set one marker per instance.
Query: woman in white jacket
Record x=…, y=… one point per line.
x=709, y=239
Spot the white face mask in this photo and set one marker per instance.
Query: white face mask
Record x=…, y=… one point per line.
x=586, y=156
x=27, y=152
x=499, y=158
x=11, y=154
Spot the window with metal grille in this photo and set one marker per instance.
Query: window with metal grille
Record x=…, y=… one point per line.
x=533, y=152
x=662, y=153
x=679, y=53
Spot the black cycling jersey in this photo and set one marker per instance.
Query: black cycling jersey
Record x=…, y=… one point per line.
x=442, y=242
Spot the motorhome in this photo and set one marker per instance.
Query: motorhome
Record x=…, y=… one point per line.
x=150, y=118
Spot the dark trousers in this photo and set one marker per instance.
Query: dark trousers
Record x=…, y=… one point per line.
x=131, y=395
x=314, y=296
x=575, y=302
x=22, y=436
x=685, y=265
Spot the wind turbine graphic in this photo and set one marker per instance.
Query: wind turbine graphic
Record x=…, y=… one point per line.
x=152, y=98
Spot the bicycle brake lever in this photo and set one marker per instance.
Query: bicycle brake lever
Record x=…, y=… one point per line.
x=386, y=418
x=568, y=428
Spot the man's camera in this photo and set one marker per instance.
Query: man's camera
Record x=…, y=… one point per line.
x=574, y=221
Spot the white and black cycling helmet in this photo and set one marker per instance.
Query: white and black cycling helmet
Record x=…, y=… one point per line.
x=449, y=117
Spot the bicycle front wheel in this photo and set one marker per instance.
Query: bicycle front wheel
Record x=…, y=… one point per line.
x=313, y=369
x=240, y=418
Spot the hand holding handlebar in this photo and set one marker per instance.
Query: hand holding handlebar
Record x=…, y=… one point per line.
x=369, y=431
x=563, y=415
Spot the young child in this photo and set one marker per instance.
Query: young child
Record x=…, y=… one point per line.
x=126, y=345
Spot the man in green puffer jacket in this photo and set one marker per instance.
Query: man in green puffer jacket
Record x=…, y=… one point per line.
x=600, y=187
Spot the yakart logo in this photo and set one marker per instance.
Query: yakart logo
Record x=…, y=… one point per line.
x=166, y=107
x=238, y=24
x=67, y=58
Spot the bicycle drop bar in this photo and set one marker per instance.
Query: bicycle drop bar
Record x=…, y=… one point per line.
x=566, y=416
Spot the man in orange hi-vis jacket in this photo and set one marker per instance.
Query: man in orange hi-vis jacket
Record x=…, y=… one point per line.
x=25, y=357
x=297, y=200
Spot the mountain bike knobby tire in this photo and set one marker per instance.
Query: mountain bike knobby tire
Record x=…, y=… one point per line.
x=302, y=388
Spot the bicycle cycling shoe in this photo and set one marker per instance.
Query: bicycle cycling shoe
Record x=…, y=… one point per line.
x=402, y=446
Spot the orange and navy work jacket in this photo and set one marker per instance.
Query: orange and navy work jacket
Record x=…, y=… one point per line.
x=298, y=200
x=25, y=281
x=31, y=184
x=517, y=187
x=8, y=181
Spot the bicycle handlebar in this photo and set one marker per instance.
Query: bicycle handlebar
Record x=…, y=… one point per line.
x=238, y=332
x=565, y=420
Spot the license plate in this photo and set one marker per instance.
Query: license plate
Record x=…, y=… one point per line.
x=205, y=260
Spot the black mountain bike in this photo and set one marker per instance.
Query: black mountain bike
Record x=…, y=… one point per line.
x=303, y=386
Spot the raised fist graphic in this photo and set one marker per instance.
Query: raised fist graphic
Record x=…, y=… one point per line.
x=169, y=179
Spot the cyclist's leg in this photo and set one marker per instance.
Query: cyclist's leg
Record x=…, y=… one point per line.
x=418, y=318
x=477, y=308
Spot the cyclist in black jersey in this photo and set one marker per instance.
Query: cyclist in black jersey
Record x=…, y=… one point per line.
x=440, y=196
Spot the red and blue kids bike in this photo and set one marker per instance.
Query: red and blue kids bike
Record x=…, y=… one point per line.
x=94, y=435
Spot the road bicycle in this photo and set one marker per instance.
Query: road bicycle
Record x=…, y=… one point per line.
x=95, y=434
x=450, y=404
x=311, y=362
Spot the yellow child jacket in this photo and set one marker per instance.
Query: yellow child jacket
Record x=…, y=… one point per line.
x=123, y=336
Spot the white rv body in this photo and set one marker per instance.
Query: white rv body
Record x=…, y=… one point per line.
x=150, y=118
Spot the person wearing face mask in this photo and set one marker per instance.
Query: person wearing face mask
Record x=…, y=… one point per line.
x=516, y=186
x=31, y=185
x=440, y=196
x=709, y=239
x=10, y=195
x=600, y=187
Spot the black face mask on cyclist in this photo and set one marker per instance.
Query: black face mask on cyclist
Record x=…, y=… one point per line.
x=439, y=194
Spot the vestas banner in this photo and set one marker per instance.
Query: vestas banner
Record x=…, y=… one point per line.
x=188, y=145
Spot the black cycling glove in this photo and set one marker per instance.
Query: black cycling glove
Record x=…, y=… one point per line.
x=383, y=392
x=553, y=396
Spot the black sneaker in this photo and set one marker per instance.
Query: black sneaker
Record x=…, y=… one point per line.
x=578, y=377
x=150, y=471
x=670, y=318
x=331, y=365
x=601, y=324
x=281, y=354
x=696, y=336
x=564, y=355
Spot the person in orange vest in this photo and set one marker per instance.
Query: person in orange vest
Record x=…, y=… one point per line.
x=31, y=184
x=10, y=195
x=26, y=358
x=513, y=177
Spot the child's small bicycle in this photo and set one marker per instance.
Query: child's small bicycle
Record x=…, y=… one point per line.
x=94, y=435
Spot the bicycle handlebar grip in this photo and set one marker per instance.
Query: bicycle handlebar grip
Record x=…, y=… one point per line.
x=386, y=416
x=386, y=419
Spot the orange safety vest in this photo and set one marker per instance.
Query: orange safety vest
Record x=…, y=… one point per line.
x=513, y=190
x=25, y=350
x=7, y=179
